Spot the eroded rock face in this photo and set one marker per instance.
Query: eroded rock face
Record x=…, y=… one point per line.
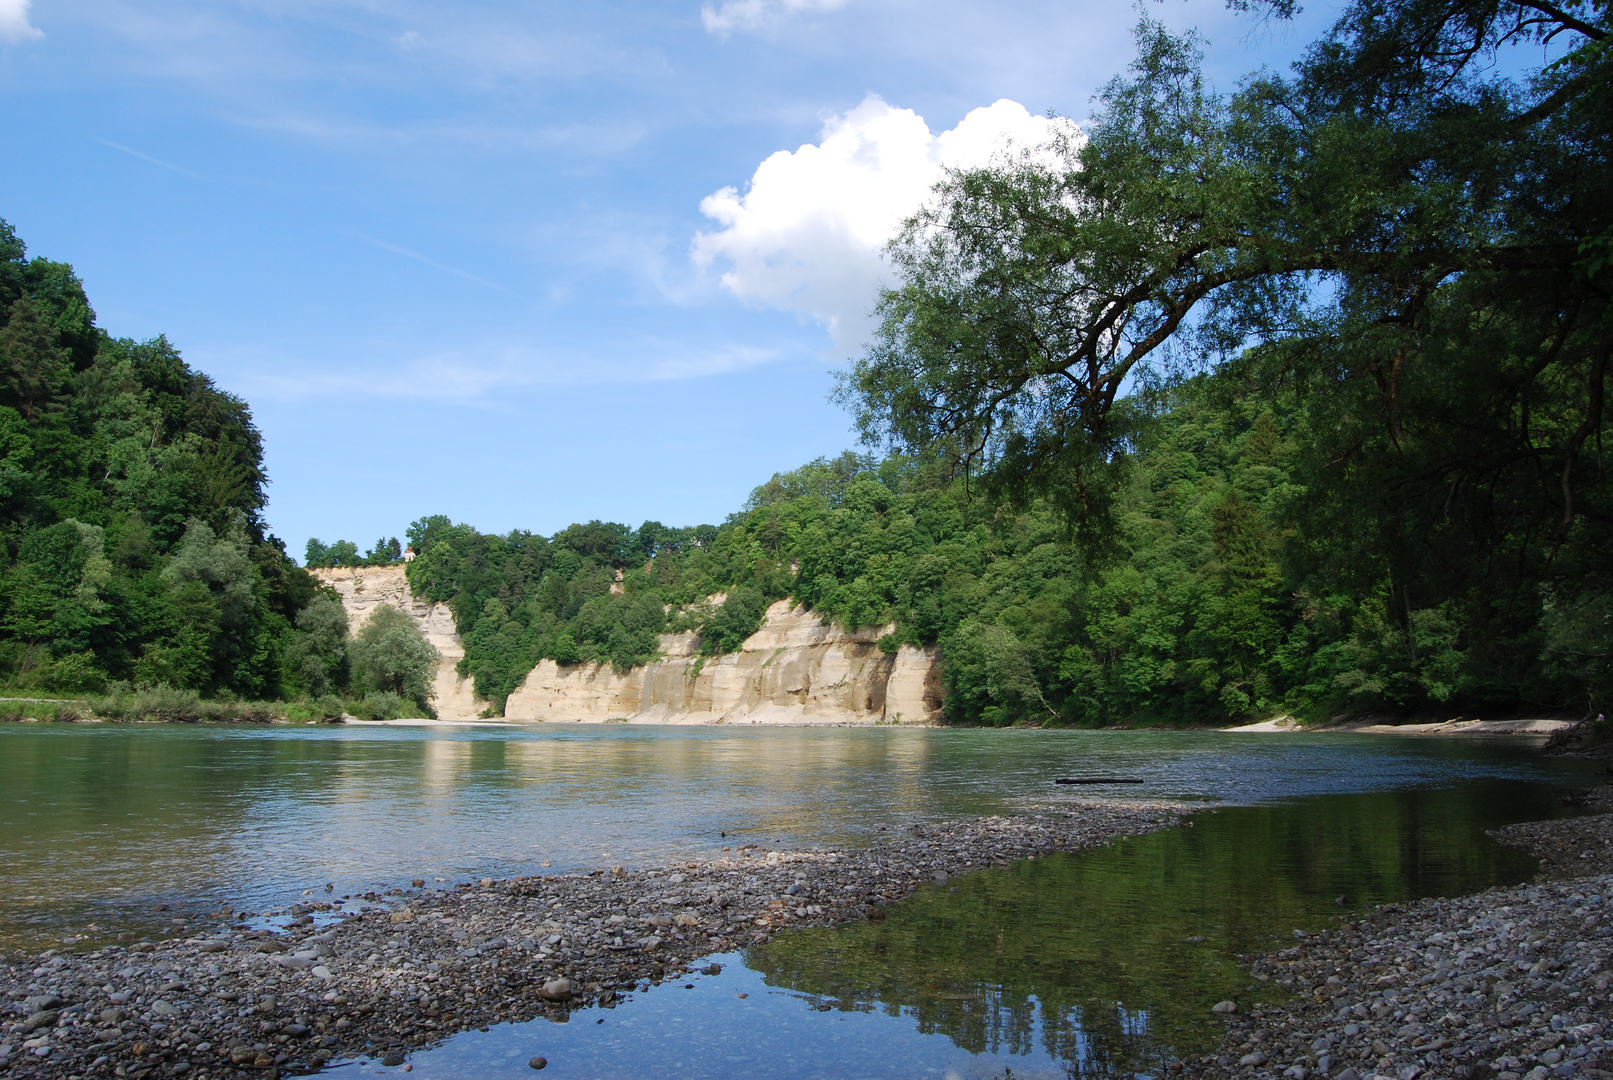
x=365, y=588
x=795, y=669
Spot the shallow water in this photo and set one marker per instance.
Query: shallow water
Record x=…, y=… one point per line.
x=1102, y=964
x=99, y=824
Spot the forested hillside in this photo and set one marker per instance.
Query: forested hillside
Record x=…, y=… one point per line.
x=1291, y=398
x=1401, y=249
x=132, y=546
x=1220, y=595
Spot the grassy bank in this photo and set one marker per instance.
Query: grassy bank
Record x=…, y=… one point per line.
x=167, y=705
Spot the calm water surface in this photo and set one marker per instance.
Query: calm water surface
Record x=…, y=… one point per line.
x=130, y=817
x=1100, y=964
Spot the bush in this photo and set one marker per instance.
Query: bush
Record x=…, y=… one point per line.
x=160, y=703
x=727, y=626
x=329, y=707
x=316, y=657
x=391, y=655
x=384, y=705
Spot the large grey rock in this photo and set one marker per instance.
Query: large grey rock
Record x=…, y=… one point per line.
x=556, y=990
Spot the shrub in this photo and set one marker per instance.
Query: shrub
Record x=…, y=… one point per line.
x=61, y=712
x=736, y=619
x=391, y=655
x=383, y=705
x=163, y=704
x=316, y=657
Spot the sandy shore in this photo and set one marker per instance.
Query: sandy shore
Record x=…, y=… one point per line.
x=425, y=964
x=1538, y=730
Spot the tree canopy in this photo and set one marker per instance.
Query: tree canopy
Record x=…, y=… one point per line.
x=1392, y=202
x=1400, y=242
x=1284, y=398
x=132, y=545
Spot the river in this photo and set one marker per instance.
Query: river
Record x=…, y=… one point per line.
x=1095, y=964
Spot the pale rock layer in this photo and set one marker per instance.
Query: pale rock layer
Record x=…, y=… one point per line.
x=797, y=669
x=365, y=588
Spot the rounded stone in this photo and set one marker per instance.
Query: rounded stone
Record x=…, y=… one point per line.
x=538, y=1062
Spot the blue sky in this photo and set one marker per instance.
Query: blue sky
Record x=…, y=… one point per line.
x=479, y=259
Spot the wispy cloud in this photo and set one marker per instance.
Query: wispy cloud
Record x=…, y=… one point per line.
x=494, y=378
x=429, y=261
x=240, y=51
x=14, y=25
x=591, y=140
x=731, y=15
x=155, y=161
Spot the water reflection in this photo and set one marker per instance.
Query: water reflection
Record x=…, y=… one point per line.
x=1109, y=961
x=98, y=821
x=1101, y=964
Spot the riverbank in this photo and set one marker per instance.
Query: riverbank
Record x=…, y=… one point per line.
x=424, y=963
x=1510, y=983
x=1537, y=730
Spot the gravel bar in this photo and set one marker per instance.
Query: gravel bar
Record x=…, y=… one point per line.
x=1511, y=984
x=426, y=963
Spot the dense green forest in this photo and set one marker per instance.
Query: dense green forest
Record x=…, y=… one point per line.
x=1284, y=399
x=1289, y=398
x=1214, y=599
x=1402, y=249
x=134, y=559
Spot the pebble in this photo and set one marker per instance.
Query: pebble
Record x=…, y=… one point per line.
x=539, y=1062
x=421, y=965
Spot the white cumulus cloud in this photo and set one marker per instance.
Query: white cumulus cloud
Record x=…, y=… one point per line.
x=734, y=15
x=809, y=232
x=14, y=25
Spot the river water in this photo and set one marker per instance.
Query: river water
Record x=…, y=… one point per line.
x=1099, y=964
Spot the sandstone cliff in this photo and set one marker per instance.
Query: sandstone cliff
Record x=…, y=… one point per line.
x=365, y=588
x=794, y=670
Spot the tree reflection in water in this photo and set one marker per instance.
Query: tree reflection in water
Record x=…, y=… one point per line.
x=1109, y=960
